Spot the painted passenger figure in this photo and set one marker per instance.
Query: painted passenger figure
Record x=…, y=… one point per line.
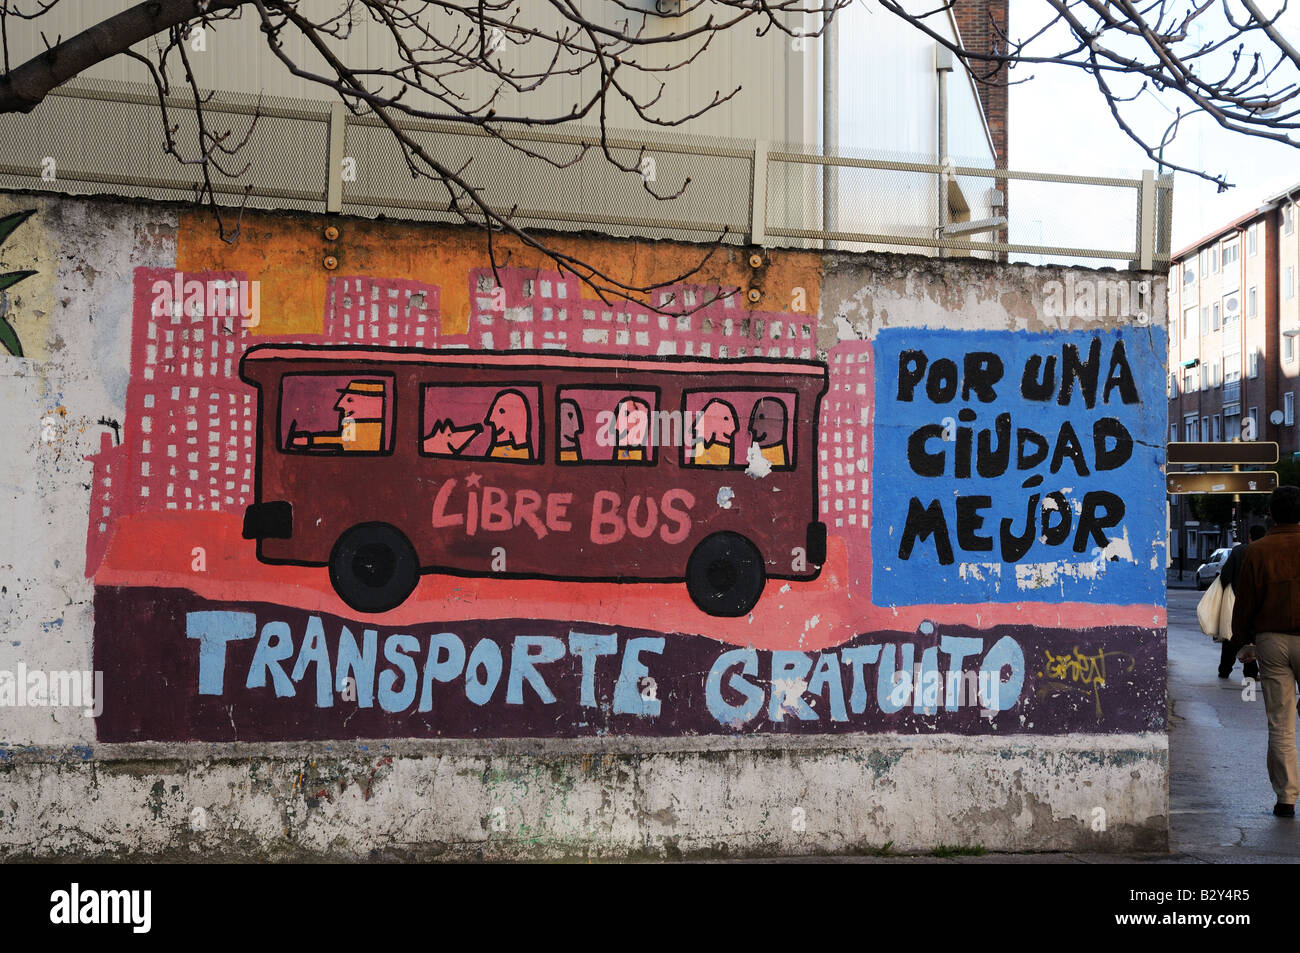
x=570, y=428
x=715, y=431
x=511, y=423
x=361, y=421
x=767, y=428
x=631, y=429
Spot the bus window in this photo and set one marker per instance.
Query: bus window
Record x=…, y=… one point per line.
x=336, y=413
x=607, y=425
x=737, y=428
x=481, y=422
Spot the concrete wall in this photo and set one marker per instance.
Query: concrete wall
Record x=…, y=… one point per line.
x=978, y=657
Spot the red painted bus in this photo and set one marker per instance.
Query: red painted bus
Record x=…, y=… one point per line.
x=384, y=463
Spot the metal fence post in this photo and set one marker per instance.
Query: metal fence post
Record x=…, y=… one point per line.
x=338, y=119
x=1165, y=215
x=758, y=194
x=1147, y=220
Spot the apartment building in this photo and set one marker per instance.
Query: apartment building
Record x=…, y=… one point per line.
x=1234, y=353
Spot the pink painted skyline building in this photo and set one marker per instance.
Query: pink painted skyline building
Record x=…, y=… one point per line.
x=391, y=312
x=844, y=448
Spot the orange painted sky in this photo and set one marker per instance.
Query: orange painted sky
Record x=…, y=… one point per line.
x=286, y=254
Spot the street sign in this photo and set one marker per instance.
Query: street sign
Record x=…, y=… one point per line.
x=1227, y=481
x=1232, y=453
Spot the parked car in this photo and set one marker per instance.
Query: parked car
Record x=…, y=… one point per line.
x=1208, y=571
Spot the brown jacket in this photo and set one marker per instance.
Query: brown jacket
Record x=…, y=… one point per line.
x=1267, y=586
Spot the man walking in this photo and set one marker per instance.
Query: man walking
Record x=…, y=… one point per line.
x=1266, y=622
x=1227, y=576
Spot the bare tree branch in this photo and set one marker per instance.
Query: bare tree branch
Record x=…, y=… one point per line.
x=486, y=65
x=1246, y=76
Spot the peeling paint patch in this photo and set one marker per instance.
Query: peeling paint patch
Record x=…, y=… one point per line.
x=1048, y=574
x=1119, y=548
x=759, y=465
x=790, y=692
x=980, y=572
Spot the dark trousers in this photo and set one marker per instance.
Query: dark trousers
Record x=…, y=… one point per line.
x=1228, y=658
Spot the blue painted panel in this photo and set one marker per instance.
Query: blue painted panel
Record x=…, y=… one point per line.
x=979, y=434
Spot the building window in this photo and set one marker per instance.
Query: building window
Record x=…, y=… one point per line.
x=1252, y=239
x=1214, y=260
x=1231, y=253
x=1189, y=383
x=1173, y=385
x=1189, y=321
x=1173, y=433
x=1205, y=428
x=1252, y=364
x=1288, y=282
x=1288, y=219
x=1189, y=273
x=1251, y=302
x=1216, y=430
x=1191, y=432
x=1288, y=408
x=1288, y=347
x=1205, y=261
x=1214, y=316
x=1253, y=416
x=1231, y=370
x=1205, y=321
x=1231, y=384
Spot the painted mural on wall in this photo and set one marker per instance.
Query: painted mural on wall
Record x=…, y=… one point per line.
x=8, y=335
x=534, y=513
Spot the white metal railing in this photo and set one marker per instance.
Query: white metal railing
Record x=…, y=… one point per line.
x=278, y=179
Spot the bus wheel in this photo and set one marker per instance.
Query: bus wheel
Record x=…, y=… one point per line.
x=373, y=567
x=725, y=575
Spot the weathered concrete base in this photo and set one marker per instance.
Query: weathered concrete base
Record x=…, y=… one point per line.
x=511, y=800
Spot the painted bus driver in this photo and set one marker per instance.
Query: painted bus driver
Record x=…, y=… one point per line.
x=361, y=421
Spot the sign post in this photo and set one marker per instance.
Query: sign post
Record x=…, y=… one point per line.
x=1236, y=453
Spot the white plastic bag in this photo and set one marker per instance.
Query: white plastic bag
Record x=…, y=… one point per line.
x=1208, y=609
